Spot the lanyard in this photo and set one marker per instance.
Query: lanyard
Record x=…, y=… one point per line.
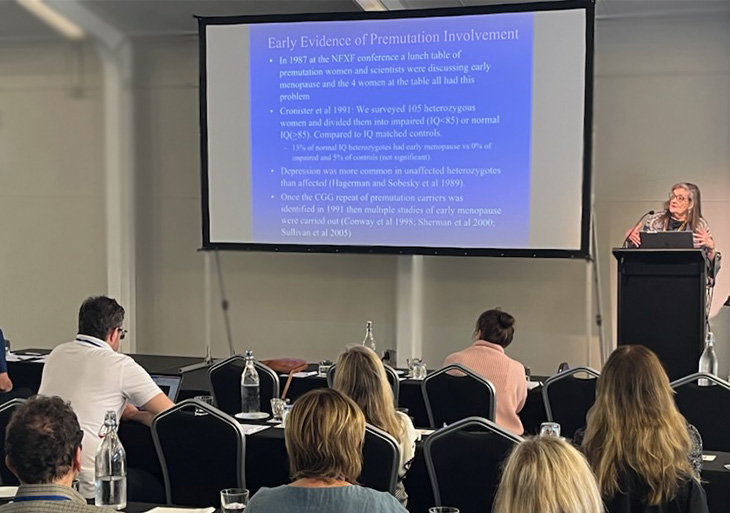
x=90, y=342
x=27, y=498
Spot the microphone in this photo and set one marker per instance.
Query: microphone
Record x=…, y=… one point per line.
x=649, y=213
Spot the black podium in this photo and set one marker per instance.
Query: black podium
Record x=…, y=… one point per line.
x=661, y=304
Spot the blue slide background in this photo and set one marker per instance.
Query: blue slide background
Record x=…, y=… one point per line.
x=505, y=90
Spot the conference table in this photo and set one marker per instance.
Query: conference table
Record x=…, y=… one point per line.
x=411, y=400
x=267, y=465
x=27, y=374
x=266, y=459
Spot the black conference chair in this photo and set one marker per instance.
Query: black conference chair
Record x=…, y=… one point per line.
x=449, y=398
x=380, y=460
x=199, y=454
x=225, y=384
x=568, y=398
x=390, y=373
x=706, y=407
x=464, y=463
x=6, y=411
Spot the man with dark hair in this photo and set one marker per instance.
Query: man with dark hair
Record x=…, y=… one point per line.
x=98, y=315
x=95, y=378
x=43, y=449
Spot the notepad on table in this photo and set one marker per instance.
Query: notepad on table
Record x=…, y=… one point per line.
x=304, y=374
x=165, y=509
x=8, y=492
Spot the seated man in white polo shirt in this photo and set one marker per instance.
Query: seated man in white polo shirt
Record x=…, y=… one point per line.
x=90, y=374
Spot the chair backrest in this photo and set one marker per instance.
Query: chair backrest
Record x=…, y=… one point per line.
x=706, y=407
x=6, y=411
x=225, y=384
x=567, y=398
x=331, y=375
x=690, y=498
x=464, y=462
x=390, y=373
x=199, y=454
x=449, y=398
x=380, y=460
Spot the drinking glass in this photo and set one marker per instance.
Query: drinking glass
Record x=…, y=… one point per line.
x=409, y=363
x=419, y=370
x=549, y=429
x=234, y=500
x=277, y=408
x=287, y=409
x=324, y=366
x=443, y=509
x=412, y=362
x=207, y=399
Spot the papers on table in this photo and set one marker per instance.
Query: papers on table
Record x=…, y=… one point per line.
x=8, y=492
x=26, y=357
x=305, y=374
x=421, y=432
x=533, y=384
x=250, y=429
x=165, y=509
x=709, y=457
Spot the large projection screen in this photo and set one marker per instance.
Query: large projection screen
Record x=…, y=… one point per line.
x=450, y=132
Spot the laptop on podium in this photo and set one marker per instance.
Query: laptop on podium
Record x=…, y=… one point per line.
x=666, y=240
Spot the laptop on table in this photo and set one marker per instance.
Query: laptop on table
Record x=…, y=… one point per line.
x=169, y=384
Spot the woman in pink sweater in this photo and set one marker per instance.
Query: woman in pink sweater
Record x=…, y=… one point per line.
x=494, y=331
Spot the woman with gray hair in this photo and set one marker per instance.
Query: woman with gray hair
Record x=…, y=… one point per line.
x=682, y=212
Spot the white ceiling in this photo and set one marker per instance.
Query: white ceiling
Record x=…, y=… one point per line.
x=160, y=17
x=166, y=16
x=151, y=17
x=619, y=8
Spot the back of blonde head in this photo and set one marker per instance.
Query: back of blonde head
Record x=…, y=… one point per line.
x=547, y=475
x=635, y=427
x=361, y=376
x=324, y=435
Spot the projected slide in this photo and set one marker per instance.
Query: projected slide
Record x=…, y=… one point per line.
x=411, y=134
x=426, y=132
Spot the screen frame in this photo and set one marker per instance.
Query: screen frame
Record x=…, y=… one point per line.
x=587, y=191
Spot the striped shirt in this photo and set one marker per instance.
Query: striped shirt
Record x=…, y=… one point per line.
x=49, y=498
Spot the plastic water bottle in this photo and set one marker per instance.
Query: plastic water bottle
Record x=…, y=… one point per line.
x=250, y=392
x=111, y=467
x=708, y=360
x=369, y=341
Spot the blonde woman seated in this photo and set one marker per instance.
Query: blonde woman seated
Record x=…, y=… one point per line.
x=547, y=475
x=324, y=436
x=361, y=376
x=645, y=455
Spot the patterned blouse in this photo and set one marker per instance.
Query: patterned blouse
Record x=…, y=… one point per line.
x=661, y=222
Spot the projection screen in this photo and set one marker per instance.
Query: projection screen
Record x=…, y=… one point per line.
x=459, y=132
